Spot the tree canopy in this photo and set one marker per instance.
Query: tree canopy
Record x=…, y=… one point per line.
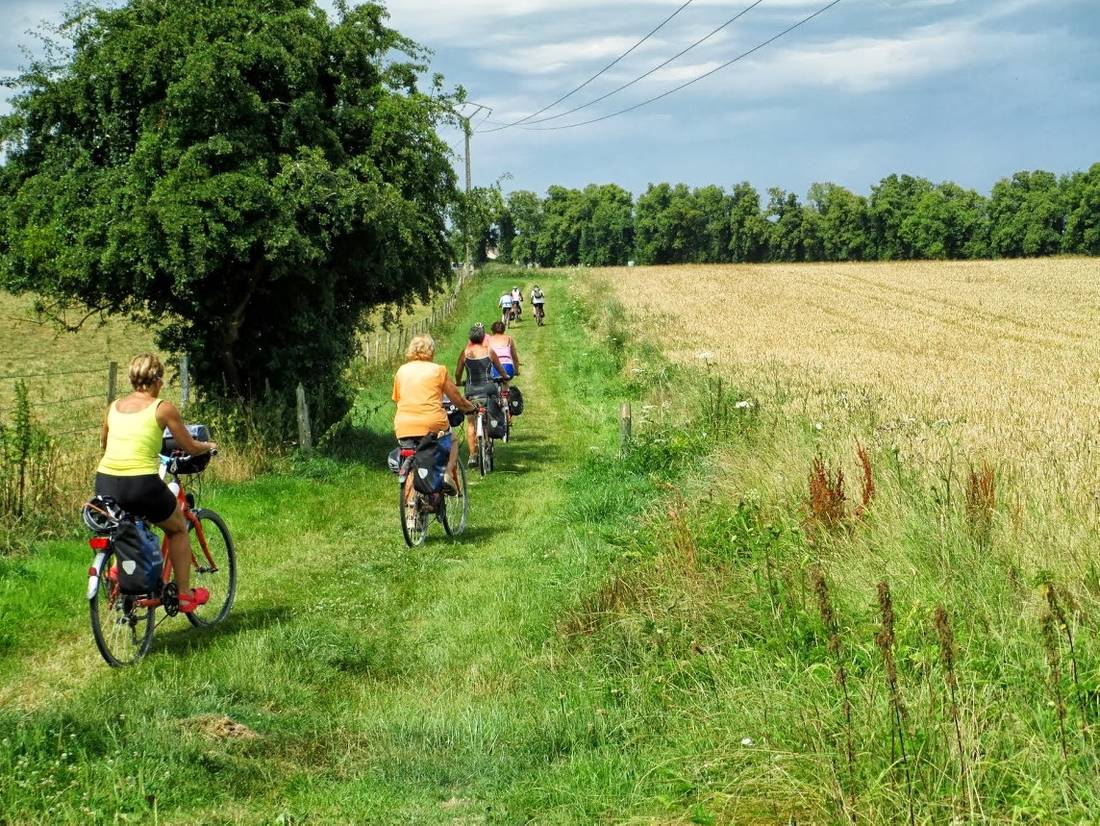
x=258, y=173
x=904, y=217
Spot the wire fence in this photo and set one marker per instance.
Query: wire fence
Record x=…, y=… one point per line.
x=388, y=346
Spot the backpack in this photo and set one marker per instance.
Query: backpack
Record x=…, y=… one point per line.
x=425, y=465
x=140, y=564
x=515, y=400
x=498, y=425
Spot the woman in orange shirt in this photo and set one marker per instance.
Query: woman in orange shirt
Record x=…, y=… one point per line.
x=418, y=389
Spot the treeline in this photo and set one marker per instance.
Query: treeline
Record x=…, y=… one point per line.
x=1030, y=214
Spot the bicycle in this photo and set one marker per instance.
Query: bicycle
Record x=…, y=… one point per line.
x=505, y=402
x=416, y=513
x=123, y=624
x=540, y=315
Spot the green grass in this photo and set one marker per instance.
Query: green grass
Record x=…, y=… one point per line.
x=617, y=638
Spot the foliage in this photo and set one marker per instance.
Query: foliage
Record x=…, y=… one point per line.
x=210, y=165
x=905, y=217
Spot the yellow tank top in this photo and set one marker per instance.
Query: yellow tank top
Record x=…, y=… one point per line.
x=133, y=442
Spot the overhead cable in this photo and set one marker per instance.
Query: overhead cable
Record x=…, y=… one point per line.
x=656, y=68
x=696, y=79
x=576, y=89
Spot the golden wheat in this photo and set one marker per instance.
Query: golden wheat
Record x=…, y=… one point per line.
x=950, y=363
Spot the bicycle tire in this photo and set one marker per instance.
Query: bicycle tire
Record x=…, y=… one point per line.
x=417, y=533
x=456, y=509
x=222, y=581
x=115, y=619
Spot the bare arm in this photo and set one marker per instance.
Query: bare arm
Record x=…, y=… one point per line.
x=455, y=395
x=515, y=353
x=460, y=368
x=103, y=432
x=168, y=416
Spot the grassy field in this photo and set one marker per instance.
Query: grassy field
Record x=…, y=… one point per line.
x=693, y=628
x=948, y=364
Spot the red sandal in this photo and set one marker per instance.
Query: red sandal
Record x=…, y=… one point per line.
x=197, y=597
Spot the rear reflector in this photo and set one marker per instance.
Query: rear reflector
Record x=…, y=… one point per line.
x=99, y=543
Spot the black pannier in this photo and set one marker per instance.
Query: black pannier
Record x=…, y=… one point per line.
x=497, y=424
x=194, y=464
x=515, y=400
x=139, y=562
x=425, y=471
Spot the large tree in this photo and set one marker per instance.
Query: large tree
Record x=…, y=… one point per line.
x=255, y=172
x=1026, y=215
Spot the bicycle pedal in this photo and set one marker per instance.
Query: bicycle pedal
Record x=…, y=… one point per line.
x=170, y=599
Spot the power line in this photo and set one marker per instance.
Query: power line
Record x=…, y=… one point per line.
x=684, y=85
x=656, y=68
x=573, y=91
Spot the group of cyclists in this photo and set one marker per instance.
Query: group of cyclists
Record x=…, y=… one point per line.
x=134, y=425
x=511, y=305
x=422, y=389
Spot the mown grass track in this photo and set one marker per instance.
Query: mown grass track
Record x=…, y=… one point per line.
x=382, y=684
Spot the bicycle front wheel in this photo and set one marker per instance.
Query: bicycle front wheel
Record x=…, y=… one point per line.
x=456, y=509
x=123, y=630
x=213, y=567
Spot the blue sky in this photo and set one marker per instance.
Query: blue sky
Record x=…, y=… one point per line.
x=962, y=90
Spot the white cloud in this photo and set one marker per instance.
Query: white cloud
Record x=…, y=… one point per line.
x=555, y=57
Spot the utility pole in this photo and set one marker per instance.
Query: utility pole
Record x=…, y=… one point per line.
x=468, y=131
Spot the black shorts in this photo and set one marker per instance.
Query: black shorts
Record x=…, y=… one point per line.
x=144, y=496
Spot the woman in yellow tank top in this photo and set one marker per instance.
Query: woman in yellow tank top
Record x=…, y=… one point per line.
x=129, y=471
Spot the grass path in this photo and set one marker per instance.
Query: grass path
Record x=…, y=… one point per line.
x=383, y=684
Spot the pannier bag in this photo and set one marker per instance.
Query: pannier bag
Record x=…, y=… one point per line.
x=427, y=474
x=195, y=464
x=498, y=425
x=140, y=564
x=394, y=460
x=515, y=400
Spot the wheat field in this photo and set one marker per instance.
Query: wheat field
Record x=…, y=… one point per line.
x=945, y=362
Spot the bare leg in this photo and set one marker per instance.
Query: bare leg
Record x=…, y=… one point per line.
x=179, y=548
x=471, y=435
x=452, y=460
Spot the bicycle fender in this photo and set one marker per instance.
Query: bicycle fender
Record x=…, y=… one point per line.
x=93, y=574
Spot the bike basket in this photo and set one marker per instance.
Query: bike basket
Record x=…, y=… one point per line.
x=192, y=464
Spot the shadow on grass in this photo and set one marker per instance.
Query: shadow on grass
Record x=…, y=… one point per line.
x=184, y=638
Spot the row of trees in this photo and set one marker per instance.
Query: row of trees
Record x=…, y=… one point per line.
x=1030, y=214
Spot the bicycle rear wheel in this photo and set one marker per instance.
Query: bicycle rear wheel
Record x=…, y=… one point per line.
x=456, y=509
x=484, y=455
x=123, y=631
x=213, y=567
x=414, y=521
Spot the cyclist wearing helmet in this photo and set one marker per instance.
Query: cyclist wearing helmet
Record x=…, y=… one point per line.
x=477, y=361
x=129, y=472
x=505, y=348
x=505, y=305
x=418, y=388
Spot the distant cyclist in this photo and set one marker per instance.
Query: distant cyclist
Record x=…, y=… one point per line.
x=505, y=348
x=517, y=300
x=477, y=361
x=505, y=305
x=129, y=471
x=418, y=388
x=538, y=299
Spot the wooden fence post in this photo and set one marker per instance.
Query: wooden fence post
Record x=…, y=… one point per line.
x=305, y=437
x=185, y=380
x=625, y=423
x=112, y=381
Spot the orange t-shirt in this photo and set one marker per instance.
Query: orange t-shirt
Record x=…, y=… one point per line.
x=418, y=391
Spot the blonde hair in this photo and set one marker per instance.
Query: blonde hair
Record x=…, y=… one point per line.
x=421, y=348
x=145, y=370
